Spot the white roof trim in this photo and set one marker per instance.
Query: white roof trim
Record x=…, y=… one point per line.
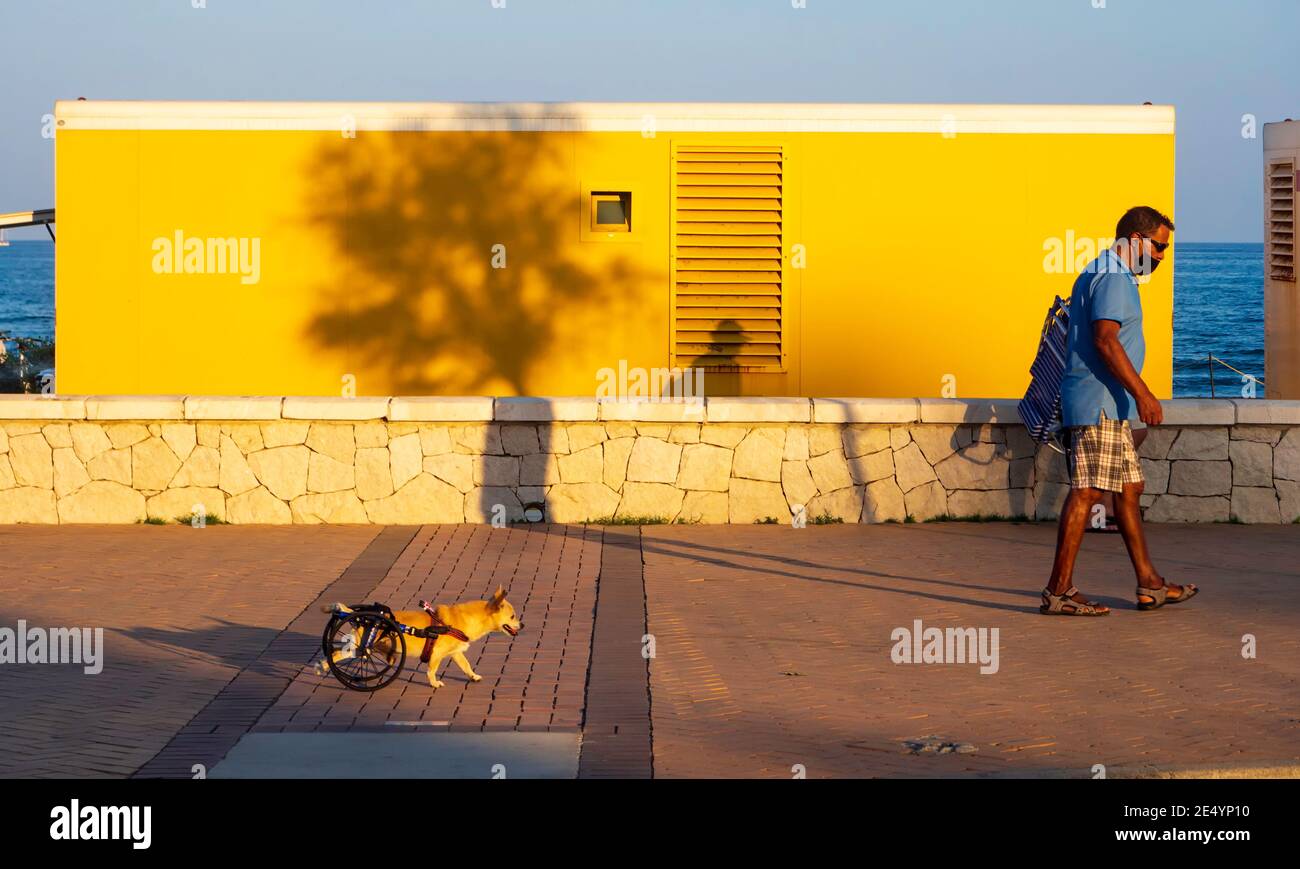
x=615, y=117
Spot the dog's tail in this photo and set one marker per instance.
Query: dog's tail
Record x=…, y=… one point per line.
x=336, y=608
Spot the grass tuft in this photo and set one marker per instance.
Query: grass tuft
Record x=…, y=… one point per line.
x=981, y=517
x=207, y=520
x=630, y=520
x=181, y=520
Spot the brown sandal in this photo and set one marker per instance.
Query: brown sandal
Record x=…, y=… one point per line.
x=1160, y=596
x=1062, y=605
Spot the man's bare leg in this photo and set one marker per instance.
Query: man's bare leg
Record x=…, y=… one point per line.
x=1128, y=514
x=1069, y=535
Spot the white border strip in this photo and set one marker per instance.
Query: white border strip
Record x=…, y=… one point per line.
x=459, y=410
x=615, y=117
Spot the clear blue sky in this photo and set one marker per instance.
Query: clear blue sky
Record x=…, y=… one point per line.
x=1214, y=60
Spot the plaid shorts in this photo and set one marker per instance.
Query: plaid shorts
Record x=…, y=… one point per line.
x=1102, y=456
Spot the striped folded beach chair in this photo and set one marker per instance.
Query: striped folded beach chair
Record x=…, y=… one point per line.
x=1040, y=409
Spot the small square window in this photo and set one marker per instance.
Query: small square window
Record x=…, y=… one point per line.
x=611, y=211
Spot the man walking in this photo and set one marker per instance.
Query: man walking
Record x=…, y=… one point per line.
x=1101, y=392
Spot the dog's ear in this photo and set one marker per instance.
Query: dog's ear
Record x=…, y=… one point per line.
x=497, y=597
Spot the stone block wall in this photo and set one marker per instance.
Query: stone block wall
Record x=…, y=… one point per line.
x=723, y=460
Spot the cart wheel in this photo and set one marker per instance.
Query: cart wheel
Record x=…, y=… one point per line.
x=365, y=650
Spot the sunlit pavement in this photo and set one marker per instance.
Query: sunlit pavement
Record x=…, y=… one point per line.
x=686, y=651
x=774, y=653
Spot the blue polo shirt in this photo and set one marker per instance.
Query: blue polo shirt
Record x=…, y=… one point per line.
x=1106, y=290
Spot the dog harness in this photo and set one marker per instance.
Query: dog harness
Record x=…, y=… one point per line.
x=436, y=629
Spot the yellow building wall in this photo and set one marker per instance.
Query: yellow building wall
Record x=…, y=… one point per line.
x=927, y=257
x=924, y=259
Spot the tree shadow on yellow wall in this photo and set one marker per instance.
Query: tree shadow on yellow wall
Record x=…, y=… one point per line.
x=461, y=259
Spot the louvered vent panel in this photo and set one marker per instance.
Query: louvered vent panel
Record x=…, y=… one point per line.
x=1281, y=220
x=727, y=257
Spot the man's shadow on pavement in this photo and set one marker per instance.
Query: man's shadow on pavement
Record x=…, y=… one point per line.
x=826, y=568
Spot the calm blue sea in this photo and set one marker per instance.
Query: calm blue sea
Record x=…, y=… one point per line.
x=1218, y=308
x=27, y=289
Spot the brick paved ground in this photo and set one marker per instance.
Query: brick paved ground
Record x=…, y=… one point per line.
x=773, y=649
x=771, y=646
x=535, y=681
x=616, y=727
x=183, y=610
x=211, y=734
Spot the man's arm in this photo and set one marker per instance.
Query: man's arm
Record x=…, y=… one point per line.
x=1105, y=335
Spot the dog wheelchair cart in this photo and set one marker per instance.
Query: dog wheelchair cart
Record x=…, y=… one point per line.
x=363, y=645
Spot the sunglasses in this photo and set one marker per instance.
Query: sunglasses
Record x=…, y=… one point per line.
x=1160, y=246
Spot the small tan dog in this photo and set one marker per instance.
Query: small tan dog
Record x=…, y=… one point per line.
x=475, y=620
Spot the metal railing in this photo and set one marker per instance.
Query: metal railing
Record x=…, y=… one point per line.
x=1210, y=359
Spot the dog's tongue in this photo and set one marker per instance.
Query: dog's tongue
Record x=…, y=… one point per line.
x=511, y=631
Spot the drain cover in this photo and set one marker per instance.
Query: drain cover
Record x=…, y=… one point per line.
x=937, y=745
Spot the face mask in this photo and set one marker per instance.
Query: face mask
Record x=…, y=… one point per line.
x=1141, y=261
